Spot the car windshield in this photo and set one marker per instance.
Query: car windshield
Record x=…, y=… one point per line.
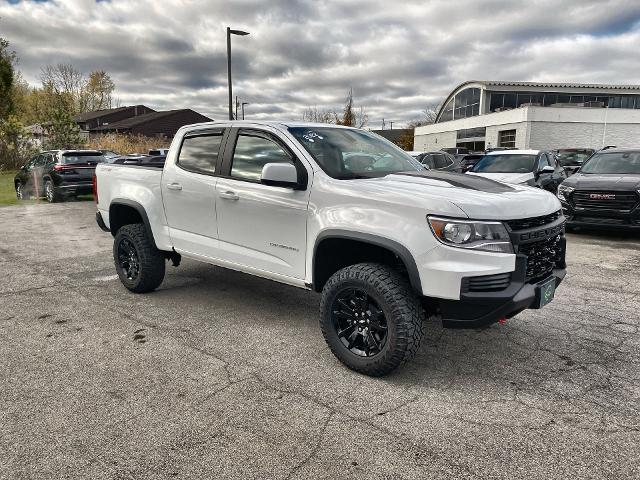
x=613, y=163
x=505, y=163
x=82, y=157
x=567, y=157
x=348, y=153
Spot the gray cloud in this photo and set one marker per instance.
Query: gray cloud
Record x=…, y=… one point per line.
x=397, y=56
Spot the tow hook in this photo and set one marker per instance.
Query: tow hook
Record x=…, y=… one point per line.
x=503, y=321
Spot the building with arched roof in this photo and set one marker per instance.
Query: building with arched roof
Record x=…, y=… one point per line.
x=485, y=114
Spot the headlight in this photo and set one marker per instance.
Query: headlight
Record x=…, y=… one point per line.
x=563, y=191
x=485, y=236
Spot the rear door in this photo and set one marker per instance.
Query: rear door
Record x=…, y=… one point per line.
x=188, y=192
x=261, y=226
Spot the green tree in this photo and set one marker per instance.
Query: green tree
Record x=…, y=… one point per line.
x=62, y=131
x=7, y=61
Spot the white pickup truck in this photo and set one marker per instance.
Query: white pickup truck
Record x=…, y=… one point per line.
x=343, y=212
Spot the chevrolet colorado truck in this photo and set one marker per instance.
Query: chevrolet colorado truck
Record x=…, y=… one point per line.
x=343, y=212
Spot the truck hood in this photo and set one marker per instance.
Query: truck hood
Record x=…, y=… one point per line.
x=477, y=197
x=603, y=182
x=514, y=178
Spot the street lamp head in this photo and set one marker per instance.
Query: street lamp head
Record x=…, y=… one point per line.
x=238, y=32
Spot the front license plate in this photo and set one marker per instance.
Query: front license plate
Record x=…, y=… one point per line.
x=546, y=291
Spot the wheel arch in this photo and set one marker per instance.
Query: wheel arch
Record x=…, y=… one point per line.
x=365, y=247
x=123, y=212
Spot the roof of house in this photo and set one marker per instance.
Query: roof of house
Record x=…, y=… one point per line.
x=83, y=117
x=141, y=119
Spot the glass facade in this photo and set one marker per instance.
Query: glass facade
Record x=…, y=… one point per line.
x=466, y=103
x=508, y=100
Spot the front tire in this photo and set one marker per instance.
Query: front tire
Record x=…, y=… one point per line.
x=140, y=265
x=371, y=318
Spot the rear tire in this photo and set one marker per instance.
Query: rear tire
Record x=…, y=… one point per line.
x=20, y=194
x=50, y=192
x=140, y=265
x=371, y=318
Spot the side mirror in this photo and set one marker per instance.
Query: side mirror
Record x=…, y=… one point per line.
x=280, y=175
x=547, y=169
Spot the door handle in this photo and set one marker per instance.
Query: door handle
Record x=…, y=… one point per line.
x=229, y=195
x=174, y=186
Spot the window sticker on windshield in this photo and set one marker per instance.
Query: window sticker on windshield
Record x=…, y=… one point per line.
x=309, y=136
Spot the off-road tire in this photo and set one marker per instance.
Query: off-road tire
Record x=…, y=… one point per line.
x=402, y=309
x=151, y=260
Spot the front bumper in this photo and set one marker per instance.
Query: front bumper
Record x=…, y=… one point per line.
x=479, y=309
x=609, y=219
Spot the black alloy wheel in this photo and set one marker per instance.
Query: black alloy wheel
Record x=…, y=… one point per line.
x=359, y=322
x=128, y=259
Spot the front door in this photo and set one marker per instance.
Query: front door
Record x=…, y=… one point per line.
x=261, y=226
x=189, y=196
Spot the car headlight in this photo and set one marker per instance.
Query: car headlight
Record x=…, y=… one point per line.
x=563, y=191
x=484, y=236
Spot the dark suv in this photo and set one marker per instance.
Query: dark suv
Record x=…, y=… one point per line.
x=605, y=192
x=58, y=174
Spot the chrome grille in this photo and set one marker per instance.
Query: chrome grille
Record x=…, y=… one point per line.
x=604, y=200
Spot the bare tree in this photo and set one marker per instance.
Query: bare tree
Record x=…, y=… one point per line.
x=316, y=115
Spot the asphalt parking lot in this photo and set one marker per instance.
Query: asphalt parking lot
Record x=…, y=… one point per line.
x=222, y=375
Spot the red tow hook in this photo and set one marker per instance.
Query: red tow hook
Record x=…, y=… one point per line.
x=503, y=321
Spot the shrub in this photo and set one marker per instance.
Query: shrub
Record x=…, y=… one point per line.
x=124, y=144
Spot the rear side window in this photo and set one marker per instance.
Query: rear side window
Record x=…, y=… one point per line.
x=254, y=152
x=441, y=161
x=199, y=153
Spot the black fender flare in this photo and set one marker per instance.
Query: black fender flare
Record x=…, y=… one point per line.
x=396, y=248
x=138, y=208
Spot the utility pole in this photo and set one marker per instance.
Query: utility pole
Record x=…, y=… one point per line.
x=236, y=107
x=243, y=104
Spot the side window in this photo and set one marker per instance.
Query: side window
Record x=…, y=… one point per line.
x=199, y=153
x=552, y=160
x=542, y=161
x=441, y=161
x=31, y=163
x=254, y=152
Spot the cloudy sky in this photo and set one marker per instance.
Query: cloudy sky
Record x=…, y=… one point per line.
x=398, y=56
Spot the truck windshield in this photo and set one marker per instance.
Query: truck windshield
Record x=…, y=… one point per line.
x=619, y=163
x=505, y=163
x=348, y=153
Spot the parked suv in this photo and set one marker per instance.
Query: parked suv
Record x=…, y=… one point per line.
x=57, y=174
x=605, y=192
x=343, y=212
x=525, y=167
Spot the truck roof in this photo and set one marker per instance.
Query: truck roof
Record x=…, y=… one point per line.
x=272, y=123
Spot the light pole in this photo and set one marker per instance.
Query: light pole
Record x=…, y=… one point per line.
x=229, y=33
x=243, y=104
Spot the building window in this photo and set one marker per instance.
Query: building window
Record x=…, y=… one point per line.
x=507, y=138
x=478, y=132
